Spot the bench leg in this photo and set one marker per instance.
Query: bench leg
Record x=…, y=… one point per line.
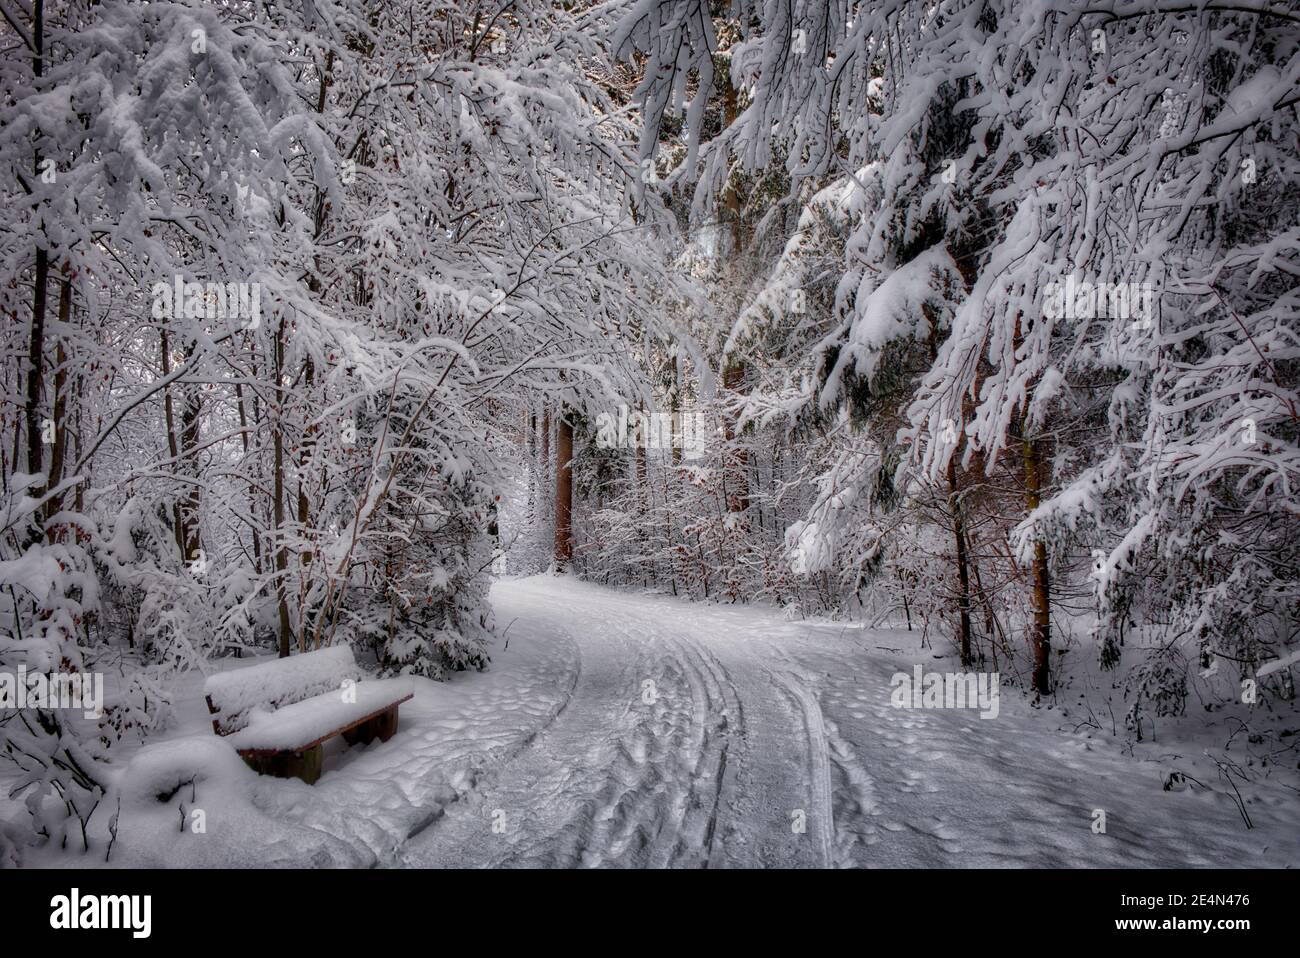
x=363, y=734
x=383, y=727
x=304, y=765
x=386, y=724
x=307, y=765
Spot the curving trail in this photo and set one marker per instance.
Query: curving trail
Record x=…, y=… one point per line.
x=718, y=736
x=673, y=750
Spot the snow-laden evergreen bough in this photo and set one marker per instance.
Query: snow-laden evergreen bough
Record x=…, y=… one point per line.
x=1063, y=319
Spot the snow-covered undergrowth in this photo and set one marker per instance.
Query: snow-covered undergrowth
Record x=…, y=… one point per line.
x=368, y=800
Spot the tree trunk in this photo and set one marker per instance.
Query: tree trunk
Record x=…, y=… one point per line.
x=169, y=422
x=1042, y=635
x=304, y=458
x=281, y=553
x=546, y=439
x=547, y=497
x=36, y=346
x=78, y=499
x=563, y=493
x=55, y=504
x=736, y=475
x=642, y=481
x=252, y=487
x=963, y=562
x=190, y=410
x=36, y=364
x=735, y=465
x=530, y=424
x=680, y=431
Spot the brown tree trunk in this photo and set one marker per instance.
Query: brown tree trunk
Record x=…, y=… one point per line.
x=678, y=420
x=735, y=467
x=963, y=563
x=731, y=194
x=546, y=438
x=305, y=452
x=736, y=475
x=190, y=410
x=1042, y=635
x=36, y=364
x=169, y=422
x=55, y=504
x=530, y=425
x=281, y=552
x=252, y=487
x=563, y=492
x=547, y=497
x=19, y=420
x=78, y=499
x=642, y=482
x=36, y=346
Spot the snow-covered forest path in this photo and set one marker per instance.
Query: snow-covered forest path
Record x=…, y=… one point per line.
x=679, y=745
x=625, y=730
x=713, y=736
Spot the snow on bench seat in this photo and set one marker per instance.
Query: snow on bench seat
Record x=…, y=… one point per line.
x=305, y=724
x=233, y=695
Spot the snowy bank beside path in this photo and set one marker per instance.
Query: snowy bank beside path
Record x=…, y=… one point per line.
x=368, y=800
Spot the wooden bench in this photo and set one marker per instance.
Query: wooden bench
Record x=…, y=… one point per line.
x=279, y=714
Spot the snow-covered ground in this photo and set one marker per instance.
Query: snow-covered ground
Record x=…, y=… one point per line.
x=627, y=730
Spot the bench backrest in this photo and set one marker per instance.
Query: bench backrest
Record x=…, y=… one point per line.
x=232, y=696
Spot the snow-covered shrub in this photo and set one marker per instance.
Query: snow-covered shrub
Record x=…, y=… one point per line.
x=46, y=590
x=423, y=603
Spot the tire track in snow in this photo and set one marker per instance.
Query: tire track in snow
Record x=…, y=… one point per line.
x=822, y=815
x=682, y=782
x=484, y=769
x=601, y=786
x=714, y=702
x=853, y=804
x=642, y=788
x=658, y=805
